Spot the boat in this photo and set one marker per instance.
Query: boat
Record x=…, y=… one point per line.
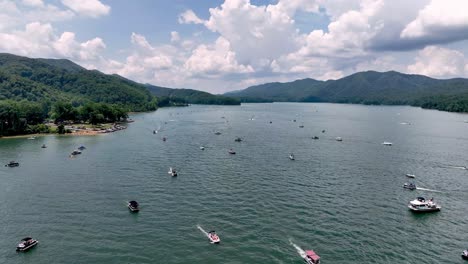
x=133, y=206
x=202, y=148
x=311, y=257
x=420, y=205
x=238, y=139
x=323, y=131
x=82, y=148
x=315, y=137
x=464, y=254
x=409, y=185
x=291, y=156
x=232, y=152
x=154, y=132
x=301, y=126
x=164, y=139
x=338, y=139
x=43, y=146
x=76, y=152
x=26, y=244
x=217, y=133
x=386, y=143
x=31, y=138
x=214, y=238
x=410, y=175
x=172, y=172
x=12, y=164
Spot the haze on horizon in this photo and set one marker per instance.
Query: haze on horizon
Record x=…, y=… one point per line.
x=232, y=44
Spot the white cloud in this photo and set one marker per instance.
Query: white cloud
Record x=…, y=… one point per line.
x=34, y=3
x=189, y=17
x=444, y=17
x=439, y=62
x=175, y=37
x=91, y=8
x=213, y=60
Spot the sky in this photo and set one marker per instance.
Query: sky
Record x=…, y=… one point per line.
x=224, y=45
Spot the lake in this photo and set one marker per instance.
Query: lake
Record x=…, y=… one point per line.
x=343, y=199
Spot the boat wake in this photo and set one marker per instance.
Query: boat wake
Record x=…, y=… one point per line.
x=429, y=190
x=458, y=167
x=203, y=231
x=299, y=250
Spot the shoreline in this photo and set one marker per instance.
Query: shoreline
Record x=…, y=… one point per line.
x=75, y=132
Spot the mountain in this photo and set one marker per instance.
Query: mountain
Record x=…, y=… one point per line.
x=390, y=88
x=188, y=96
x=50, y=80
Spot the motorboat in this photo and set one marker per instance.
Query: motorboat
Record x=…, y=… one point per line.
x=31, y=138
x=386, y=143
x=217, y=133
x=82, y=148
x=26, y=244
x=202, y=148
x=133, y=206
x=410, y=175
x=409, y=185
x=238, y=139
x=76, y=152
x=294, y=120
x=323, y=131
x=291, y=156
x=12, y=164
x=420, y=205
x=301, y=126
x=338, y=139
x=154, y=132
x=464, y=254
x=43, y=146
x=232, y=152
x=311, y=257
x=164, y=139
x=172, y=172
x=315, y=137
x=214, y=238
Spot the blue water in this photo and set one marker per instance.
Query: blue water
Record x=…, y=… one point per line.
x=343, y=199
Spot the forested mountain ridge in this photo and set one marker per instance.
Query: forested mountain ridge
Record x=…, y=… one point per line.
x=189, y=96
x=371, y=87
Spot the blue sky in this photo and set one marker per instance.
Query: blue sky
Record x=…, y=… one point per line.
x=224, y=45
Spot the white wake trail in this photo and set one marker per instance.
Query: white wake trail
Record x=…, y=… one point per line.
x=299, y=250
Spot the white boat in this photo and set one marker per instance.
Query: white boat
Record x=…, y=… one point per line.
x=338, y=139
x=213, y=237
x=31, y=138
x=386, y=143
x=172, y=172
x=26, y=243
x=291, y=156
x=465, y=254
x=410, y=175
x=420, y=205
x=311, y=257
x=202, y=148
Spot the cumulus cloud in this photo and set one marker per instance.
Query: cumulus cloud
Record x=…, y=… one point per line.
x=440, y=20
x=439, y=62
x=189, y=17
x=91, y=8
x=213, y=60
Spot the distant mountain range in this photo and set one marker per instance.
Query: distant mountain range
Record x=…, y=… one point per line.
x=388, y=88
x=188, y=96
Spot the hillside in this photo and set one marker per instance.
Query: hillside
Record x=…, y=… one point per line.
x=188, y=96
x=390, y=88
x=49, y=80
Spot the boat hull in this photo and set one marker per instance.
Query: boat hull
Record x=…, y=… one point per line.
x=23, y=249
x=426, y=210
x=464, y=257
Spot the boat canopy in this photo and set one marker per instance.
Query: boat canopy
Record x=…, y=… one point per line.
x=133, y=203
x=421, y=199
x=311, y=254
